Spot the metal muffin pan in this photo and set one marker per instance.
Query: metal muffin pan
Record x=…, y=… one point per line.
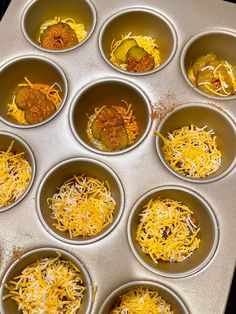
x=218, y=41
x=65, y=171
x=39, y=11
x=206, y=221
x=170, y=296
x=9, y=306
x=104, y=92
x=110, y=261
x=36, y=69
x=202, y=114
x=19, y=146
x=128, y=21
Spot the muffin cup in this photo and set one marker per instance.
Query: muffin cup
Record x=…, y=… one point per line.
x=206, y=221
x=39, y=11
x=19, y=146
x=9, y=306
x=153, y=24
x=202, y=114
x=65, y=170
x=166, y=293
x=220, y=42
x=37, y=70
x=109, y=91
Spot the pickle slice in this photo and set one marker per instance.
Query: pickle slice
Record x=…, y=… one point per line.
x=115, y=138
x=201, y=62
x=107, y=117
x=137, y=53
x=121, y=51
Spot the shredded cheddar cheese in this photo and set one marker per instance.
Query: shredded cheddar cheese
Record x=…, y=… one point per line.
x=15, y=175
x=192, y=151
x=49, y=285
x=167, y=230
x=83, y=207
x=141, y=300
x=52, y=94
x=80, y=32
x=145, y=42
x=130, y=124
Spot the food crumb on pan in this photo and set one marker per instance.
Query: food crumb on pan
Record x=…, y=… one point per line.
x=164, y=106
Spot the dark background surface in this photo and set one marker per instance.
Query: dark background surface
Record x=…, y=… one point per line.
x=231, y=306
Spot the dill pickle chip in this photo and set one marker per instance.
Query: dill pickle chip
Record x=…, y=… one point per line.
x=121, y=51
x=107, y=117
x=115, y=138
x=202, y=61
x=137, y=53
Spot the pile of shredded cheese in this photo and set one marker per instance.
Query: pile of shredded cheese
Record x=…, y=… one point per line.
x=141, y=300
x=145, y=42
x=167, y=230
x=130, y=124
x=49, y=285
x=80, y=32
x=192, y=151
x=52, y=94
x=15, y=175
x=83, y=206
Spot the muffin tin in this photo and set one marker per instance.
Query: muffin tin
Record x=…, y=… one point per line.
x=111, y=259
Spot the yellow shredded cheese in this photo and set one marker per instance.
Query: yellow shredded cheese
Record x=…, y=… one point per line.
x=49, y=285
x=145, y=42
x=15, y=175
x=79, y=29
x=83, y=207
x=192, y=151
x=141, y=300
x=130, y=124
x=167, y=230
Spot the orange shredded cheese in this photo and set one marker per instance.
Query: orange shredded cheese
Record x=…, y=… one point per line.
x=141, y=300
x=167, y=230
x=49, y=285
x=15, y=175
x=83, y=207
x=191, y=151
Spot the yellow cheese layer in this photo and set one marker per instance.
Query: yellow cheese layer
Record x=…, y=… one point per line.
x=15, y=175
x=141, y=301
x=191, y=151
x=83, y=207
x=167, y=230
x=50, y=285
